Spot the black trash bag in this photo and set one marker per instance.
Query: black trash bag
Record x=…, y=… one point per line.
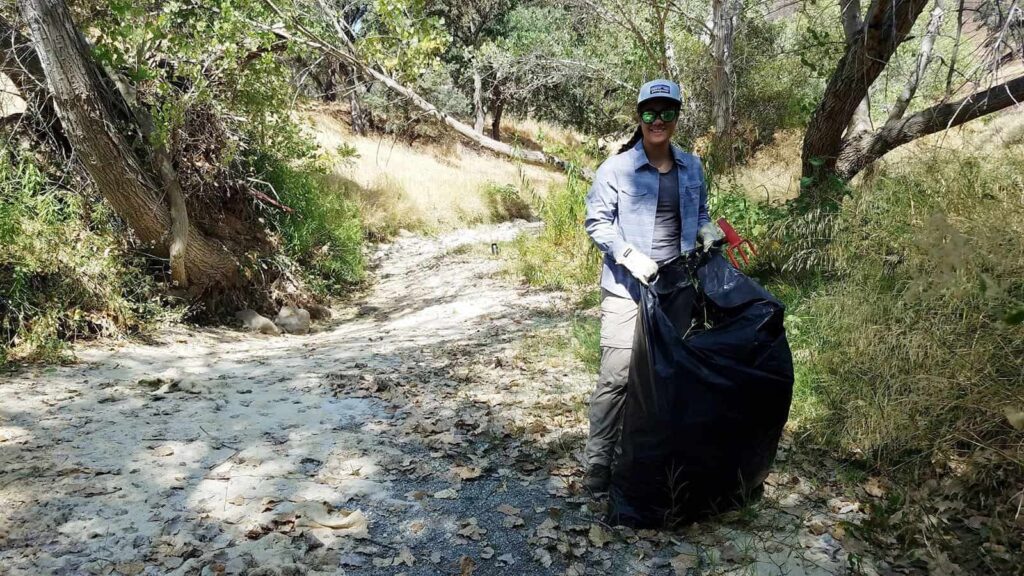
x=710, y=384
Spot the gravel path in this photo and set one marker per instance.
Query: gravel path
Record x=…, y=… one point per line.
x=433, y=428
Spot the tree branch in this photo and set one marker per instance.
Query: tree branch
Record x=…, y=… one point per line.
x=860, y=152
x=924, y=58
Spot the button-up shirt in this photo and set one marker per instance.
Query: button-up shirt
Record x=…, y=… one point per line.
x=622, y=204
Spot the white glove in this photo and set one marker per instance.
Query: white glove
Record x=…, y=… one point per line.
x=708, y=234
x=639, y=265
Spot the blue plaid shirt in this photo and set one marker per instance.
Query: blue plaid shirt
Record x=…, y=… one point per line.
x=621, y=207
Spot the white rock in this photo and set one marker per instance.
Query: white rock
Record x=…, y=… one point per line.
x=293, y=320
x=256, y=323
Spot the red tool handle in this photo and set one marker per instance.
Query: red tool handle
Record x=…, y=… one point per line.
x=731, y=235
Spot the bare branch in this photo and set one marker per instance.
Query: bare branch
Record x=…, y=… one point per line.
x=924, y=58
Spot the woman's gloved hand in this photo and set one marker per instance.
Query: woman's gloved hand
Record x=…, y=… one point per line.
x=639, y=265
x=708, y=234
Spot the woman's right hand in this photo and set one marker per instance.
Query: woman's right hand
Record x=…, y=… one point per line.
x=639, y=265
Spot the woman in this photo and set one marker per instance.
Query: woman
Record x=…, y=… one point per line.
x=647, y=205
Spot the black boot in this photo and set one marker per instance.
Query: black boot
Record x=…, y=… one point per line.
x=597, y=479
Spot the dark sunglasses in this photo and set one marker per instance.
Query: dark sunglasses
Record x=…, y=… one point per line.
x=649, y=116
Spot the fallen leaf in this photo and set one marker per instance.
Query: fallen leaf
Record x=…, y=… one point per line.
x=467, y=566
x=817, y=526
x=405, y=556
x=874, y=488
x=382, y=562
x=547, y=529
x=472, y=530
x=487, y=552
x=317, y=515
x=508, y=510
x=466, y=472
x=683, y=562
x=598, y=535
x=512, y=521
x=731, y=553
x=543, y=556
x=507, y=559
x=446, y=494
x=435, y=557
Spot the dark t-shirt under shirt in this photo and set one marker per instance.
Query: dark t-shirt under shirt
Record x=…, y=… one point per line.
x=667, y=222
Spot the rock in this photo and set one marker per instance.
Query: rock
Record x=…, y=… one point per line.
x=253, y=322
x=293, y=320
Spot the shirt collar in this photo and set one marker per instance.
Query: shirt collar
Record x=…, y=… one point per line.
x=640, y=156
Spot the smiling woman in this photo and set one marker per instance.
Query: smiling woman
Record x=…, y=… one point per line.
x=647, y=205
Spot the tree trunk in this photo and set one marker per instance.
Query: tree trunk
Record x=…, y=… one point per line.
x=329, y=86
x=924, y=58
x=723, y=16
x=20, y=63
x=852, y=25
x=888, y=23
x=478, y=101
x=360, y=121
x=84, y=104
x=497, y=109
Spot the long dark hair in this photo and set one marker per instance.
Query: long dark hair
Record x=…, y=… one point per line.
x=636, y=137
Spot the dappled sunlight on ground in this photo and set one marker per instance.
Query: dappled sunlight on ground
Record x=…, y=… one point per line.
x=438, y=424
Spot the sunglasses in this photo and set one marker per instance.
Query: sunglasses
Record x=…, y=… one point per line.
x=649, y=116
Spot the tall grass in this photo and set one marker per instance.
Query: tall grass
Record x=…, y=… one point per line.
x=561, y=256
x=323, y=234
x=911, y=352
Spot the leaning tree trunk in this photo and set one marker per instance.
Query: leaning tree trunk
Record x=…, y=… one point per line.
x=860, y=152
x=19, y=62
x=887, y=25
x=349, y=55
x=84, y=103
x=827, y=154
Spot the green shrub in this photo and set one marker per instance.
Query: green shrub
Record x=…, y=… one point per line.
x=505, y=202
x=64, y=274
x=323, y=234
x=561, y=256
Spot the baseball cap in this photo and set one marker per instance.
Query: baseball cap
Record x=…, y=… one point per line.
x=659, y=89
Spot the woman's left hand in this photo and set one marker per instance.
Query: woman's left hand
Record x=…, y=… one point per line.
x=708, y=234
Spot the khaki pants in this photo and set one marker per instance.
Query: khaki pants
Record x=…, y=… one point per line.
x=618, y=322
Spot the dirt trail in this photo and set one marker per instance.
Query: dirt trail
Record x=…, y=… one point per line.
x=428, y=430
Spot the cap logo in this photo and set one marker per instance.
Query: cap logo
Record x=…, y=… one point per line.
x=660, y=89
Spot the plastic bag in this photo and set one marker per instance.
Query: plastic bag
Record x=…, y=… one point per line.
x=710, y=384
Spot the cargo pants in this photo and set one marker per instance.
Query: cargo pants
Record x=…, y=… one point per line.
x=618, y=322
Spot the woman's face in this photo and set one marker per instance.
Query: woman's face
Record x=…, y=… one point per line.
x=658, y=132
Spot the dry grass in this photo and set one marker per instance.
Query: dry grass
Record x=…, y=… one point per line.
x=435, y=187
x=773, y=173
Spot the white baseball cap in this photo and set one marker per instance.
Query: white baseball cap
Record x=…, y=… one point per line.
x=659, y=89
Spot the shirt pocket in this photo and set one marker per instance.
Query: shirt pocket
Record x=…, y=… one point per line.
x=632, y=199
